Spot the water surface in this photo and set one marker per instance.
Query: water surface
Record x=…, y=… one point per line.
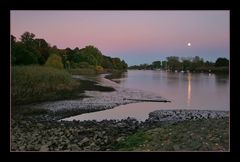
x=185, y=90
x=200, y=91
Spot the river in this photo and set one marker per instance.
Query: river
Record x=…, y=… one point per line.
x=202, y=91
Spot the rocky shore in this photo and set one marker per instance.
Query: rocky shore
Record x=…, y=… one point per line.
x=37, y=127
x=174, y=116
x=33, y=135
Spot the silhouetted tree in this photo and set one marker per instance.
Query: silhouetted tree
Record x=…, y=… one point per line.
x=221, y=62
x=173, y=63
x=156, y=64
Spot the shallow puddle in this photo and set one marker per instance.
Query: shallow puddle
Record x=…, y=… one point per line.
x=138, y=111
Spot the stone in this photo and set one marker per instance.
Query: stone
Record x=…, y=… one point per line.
x=85, y=140
x=40, y=125
x=74, y=147
x=22, y=148
x=120, y=139
x=176, y=147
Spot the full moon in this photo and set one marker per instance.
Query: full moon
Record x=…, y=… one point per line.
x=189, y=44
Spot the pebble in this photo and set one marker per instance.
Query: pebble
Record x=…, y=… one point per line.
x=181, y=115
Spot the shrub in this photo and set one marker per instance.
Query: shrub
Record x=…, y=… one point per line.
x=54, y=61
x=99, y=69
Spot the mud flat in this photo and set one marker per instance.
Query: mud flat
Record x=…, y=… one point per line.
x=98, y=99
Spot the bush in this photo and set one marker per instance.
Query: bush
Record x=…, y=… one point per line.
x=38, y=83
x=54, y=61
x=99, y=69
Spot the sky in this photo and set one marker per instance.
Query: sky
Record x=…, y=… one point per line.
x=135, y=36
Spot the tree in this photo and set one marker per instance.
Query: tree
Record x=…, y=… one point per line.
x=124, y=64
x=54, y=61
x=221, y=62
x=13, y=40
x=156, y=64
x=107, y=62
x=186, y=64
x=13, y=48
x=76, y=50
x=43, y=49
x=208, y=63
x=27, y=38
x=41, y=43
x=78, y=57
x=94, y=53
x=173, y=63
x=22, y=56
x=117, y=63
x=164, y=65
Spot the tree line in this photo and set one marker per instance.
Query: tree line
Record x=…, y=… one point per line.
x=194, y=64
x=30, y=50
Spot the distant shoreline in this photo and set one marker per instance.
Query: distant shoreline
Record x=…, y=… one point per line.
x=197, y=71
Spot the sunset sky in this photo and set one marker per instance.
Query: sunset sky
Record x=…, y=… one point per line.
x=135, y=36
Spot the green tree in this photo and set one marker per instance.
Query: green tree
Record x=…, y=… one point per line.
x=156, y=64
x=38, y=47
x=124, y=64
x=94, y=53
x=186, y=63
x=13, y=40
x=43, y=47
x=117, y=63
x=221, y=62
x=27, y=39
x=78, y=57
x=107, y=62
x=164, y=65
x=173, y=63
x=22, y=56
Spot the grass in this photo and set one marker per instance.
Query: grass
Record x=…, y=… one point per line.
x=31, y=84
x=38, y=83
x=92, y=71
x=199, y=135
x=82, y=71
x=133, y=141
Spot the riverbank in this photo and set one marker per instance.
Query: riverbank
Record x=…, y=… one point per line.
x=191, y=135
x=34, y=133
x=97, y=99
x=38, y=127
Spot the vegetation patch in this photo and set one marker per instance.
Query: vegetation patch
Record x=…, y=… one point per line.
x=82, y=71
x=38, y=83
x=199, y=135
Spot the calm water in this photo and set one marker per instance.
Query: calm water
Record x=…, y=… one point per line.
x=184, y=90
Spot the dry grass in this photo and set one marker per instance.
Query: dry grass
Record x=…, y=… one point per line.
x=38, y=83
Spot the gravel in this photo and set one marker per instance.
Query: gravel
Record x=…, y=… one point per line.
x=174, y=116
